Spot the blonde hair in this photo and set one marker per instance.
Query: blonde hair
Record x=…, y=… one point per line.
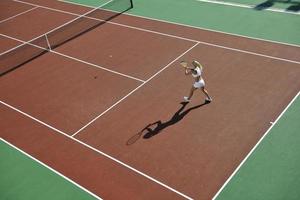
x=197, y=64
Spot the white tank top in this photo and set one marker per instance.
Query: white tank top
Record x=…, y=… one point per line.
x=198, y=72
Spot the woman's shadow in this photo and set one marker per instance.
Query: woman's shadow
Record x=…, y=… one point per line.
x=156, y=127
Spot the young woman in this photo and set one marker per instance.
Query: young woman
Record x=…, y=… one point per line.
x=196, y=72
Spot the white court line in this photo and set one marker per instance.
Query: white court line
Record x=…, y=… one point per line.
x=183, y=38
x=98, y=151
x=247, y=6
x=31, y=9
x=253, y=149
x=133, y=90
x=51, y=169
x=67, y=56
x=191, y=26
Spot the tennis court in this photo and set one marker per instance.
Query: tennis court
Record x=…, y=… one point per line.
x=78, y=85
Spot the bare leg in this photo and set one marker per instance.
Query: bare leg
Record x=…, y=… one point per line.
x=190, y=94
x=206, y=93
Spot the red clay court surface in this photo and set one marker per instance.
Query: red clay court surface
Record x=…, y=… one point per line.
x=66, y=112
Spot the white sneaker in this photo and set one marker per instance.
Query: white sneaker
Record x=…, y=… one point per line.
x=186, y=99
x=208, y=99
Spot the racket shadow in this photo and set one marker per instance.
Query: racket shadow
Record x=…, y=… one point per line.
x=134, y=138
x=157, y=127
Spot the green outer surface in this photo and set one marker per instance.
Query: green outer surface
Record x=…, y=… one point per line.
x=23, y=178
x=280, y=27
x=272, y=171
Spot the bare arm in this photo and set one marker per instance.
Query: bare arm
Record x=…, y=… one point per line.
x=188, y=71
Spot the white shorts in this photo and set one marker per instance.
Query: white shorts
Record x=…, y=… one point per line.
x=199, y=84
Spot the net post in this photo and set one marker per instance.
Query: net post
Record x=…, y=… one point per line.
x=131, y=3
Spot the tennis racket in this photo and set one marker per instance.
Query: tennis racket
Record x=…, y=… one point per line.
x=184, y=64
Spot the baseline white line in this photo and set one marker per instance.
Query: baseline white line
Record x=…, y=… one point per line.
x=247, y=6
x=51, y=169
x=191, y=26
x=100, y=152
x=133, y=91
x=183, y=38
x=31, y=9
x=67, y=56
x=256, y=145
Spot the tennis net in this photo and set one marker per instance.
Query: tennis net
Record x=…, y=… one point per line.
x=26, y=52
